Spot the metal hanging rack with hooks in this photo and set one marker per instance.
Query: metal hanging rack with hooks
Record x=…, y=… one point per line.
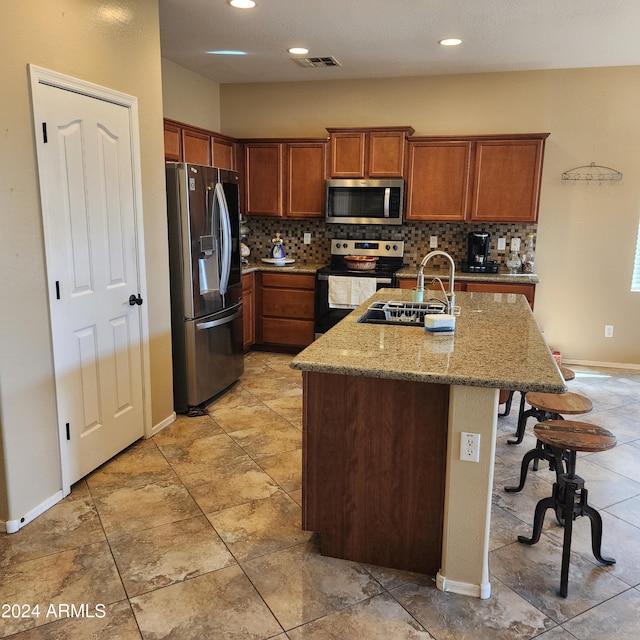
x=593, y=173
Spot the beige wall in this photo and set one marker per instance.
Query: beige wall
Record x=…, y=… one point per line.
x=189, y=97
x=586, y=233
x=120, y=50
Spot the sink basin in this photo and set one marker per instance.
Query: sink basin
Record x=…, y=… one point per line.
x=409, y=314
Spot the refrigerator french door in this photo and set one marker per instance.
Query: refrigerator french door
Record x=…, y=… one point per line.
x=205, y=280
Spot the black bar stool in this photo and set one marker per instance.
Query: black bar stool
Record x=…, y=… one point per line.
x=569, y=496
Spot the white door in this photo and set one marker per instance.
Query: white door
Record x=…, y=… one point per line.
x=85, y=163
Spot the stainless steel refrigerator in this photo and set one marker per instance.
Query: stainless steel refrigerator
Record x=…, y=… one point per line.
x=206, y=281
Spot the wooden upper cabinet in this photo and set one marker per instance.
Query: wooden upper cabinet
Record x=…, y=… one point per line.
x=263, y=178
x=508, y=172
x=172, y=142
x=348, y=155
x=185, y=143
x=373, y=152
x=305, y=166
x=438, y=185
x=196, y=146
x=386, y=154
x=285, y=178
x=223, y=152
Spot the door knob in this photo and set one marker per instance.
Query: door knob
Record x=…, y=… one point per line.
x=135, y=300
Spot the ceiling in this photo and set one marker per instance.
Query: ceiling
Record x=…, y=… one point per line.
x=388, y=38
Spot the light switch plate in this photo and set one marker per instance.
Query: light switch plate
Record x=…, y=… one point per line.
x=307, y=238
x=502, y=244
x=433, y=242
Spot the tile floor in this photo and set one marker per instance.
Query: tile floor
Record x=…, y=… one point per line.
x=196, y=534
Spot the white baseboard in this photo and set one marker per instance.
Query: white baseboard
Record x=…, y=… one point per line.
x=482, y=591
x=11, y=526
x=606, y=365
x=162, y=425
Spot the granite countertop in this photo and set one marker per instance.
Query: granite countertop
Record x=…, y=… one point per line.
x=294, y=267
x=407, y=272
x=503, y=275
x=496, y=344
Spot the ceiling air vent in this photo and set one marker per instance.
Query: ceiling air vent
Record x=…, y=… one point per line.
x=322, y=61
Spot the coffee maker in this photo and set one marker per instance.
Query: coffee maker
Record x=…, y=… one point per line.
x=478, y=254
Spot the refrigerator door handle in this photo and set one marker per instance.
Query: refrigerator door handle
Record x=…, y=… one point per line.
x=225, y=224
x=217, y=323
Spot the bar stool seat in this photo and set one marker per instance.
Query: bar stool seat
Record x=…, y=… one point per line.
x=569, y=495
x=550, y=406
x=546, y=406
x=506, y=395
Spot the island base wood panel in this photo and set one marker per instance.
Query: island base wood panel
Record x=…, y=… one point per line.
x=373, y=470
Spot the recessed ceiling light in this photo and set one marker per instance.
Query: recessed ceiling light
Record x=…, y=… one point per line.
x=227, y=53
x=242, y=4
x=450, y=42
x=298, y=51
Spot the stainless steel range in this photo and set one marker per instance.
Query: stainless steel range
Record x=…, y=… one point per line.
x=341, y=288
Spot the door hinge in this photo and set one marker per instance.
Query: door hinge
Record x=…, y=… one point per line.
x=44, y=132
x=58, y=289
x=68, y=431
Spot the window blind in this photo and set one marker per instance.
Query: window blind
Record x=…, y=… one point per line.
x=635, y=279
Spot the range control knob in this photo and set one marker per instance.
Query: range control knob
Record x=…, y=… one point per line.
x=395, y=247
x=388, y=247
x=344, y=245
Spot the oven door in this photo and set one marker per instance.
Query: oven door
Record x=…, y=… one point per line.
x=327, y=317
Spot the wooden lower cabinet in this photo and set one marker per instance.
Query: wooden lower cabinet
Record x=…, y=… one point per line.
x=410, y=283
x=527, y=290
x=248, y=310
x=284, y=309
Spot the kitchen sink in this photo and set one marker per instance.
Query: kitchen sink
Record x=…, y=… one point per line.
x=409, y=314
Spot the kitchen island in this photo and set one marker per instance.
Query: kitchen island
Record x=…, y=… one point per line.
x=383, y=410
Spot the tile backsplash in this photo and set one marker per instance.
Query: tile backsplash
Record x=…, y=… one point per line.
x=452, y=237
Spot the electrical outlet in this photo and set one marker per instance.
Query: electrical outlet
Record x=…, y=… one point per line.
x=502, y=244
x=608, y=331
x=433, y=242
x=470, y=447
x=307, y=238
x=515, y=245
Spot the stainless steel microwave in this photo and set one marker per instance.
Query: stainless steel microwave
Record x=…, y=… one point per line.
x=364, y=201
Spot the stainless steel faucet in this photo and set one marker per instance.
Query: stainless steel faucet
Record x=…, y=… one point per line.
x=451, y=296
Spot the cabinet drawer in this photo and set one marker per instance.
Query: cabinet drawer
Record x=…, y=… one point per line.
x=288, y=281
x=288, y=303
x=285, y=331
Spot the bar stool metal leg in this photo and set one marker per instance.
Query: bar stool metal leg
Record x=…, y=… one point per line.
x=541, y=452
x=569, y=497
